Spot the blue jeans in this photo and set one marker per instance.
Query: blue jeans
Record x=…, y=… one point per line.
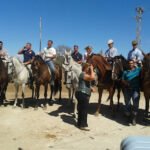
x=133, y=94
x=52, y=69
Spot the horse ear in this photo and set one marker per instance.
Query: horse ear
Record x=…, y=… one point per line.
x=65, y=52
x=69, y=52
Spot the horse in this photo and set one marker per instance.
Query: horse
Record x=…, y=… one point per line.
x=120, y=64
x=72, y=71
x=3, y=81
x=105, y=81
x=20, y=76
x=145, y=78
x=42, y=76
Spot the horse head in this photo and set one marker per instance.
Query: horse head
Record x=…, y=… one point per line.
x=67, y=57
x=90, y=60
x=36, y=63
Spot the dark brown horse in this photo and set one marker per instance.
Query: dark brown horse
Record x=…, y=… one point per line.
x=104, y=72
x=42, y=76
x=146, y=81
x=3, y=81
x=120, y=64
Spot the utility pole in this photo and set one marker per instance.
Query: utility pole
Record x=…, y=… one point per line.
x=40, y=34
x=139, y=11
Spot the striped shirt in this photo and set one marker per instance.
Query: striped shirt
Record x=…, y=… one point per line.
x=133, y=77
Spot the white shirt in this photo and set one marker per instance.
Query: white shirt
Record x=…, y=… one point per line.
x=85, y=56
x=111, y=52
x=48, y=52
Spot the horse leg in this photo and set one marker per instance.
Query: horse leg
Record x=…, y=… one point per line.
x=45, y=95
x=16, y=94
x=75, y=105
x=51, y=94
x=146, y=105
x=118, y=97
x=23, y=95
x=112, y=91
x=32, y=92
x=37, y=89
x=100, y=90
x=60, y=89
x=69, y=95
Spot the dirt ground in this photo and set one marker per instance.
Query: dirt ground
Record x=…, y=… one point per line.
x=54, y=128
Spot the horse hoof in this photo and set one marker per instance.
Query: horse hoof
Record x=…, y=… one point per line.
x=44, y=108
x=74, y=115
x=96, y=114
x=22, y=107
x=36, y=108
x=14, y=107
x=50, y=102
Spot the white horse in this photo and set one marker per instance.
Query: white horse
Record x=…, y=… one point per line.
x=72, y=72
x=20, y=76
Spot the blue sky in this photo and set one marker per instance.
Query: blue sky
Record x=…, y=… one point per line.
x=69, y=22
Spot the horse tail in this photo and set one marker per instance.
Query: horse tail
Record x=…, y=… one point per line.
x=56, y=86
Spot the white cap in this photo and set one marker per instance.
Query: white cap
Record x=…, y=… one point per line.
x=110, y=41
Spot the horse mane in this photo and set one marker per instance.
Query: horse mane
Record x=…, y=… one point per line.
x=120, y=57
x=39, y=58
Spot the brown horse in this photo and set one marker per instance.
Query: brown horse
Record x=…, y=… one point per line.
x=146, y=81
x=104, y=72
x=42, y=76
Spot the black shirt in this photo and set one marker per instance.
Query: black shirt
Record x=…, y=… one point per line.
x=76, y=56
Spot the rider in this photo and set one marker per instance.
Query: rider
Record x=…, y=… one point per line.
x=76, y=55
x=3, y=53
x=49, y=54
x=88, y=52
x=111, y=52
x=29, y=55
x=135, y=54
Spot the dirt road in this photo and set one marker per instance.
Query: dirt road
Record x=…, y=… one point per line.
x=54, y=128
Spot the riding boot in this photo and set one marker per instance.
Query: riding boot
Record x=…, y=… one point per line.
x=134, y=118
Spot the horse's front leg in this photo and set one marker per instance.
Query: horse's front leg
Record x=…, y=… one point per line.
x=45, y=95
x=16, y=94
x=111, y=92
x=37, y=89
x=146, y=105
x=69, y=96
x=51, y=94
x=100, y=91
x=75, y=105
x=118, y=96
x=23, y=95
x=60, y=89
x=33, y=92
